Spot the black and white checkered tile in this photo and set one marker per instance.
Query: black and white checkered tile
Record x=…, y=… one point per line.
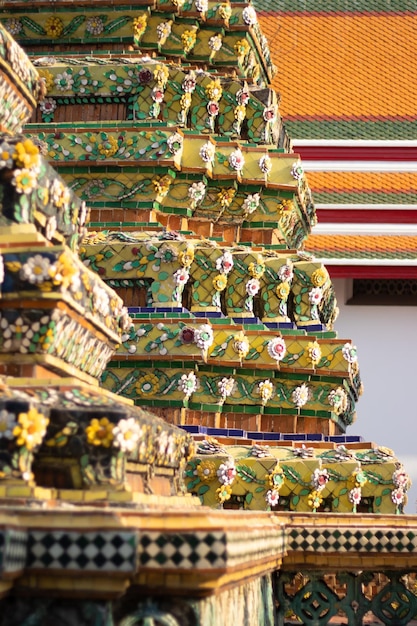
x=322, y=539
x=208, y=550
x=100, y=551
x=198, y=550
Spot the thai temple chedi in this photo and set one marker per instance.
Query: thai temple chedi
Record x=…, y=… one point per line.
x=175, y=399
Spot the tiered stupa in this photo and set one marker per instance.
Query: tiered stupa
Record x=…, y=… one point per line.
x=198, y=211
x=158, y=119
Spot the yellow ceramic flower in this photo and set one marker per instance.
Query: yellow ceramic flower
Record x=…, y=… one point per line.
x=275, y=478
x=283, y=291
x=225, y=11
x=63, y=271
x=319, y=277
x=186, y=257
x=31, y=429
x=256, y=270
x=241, y=48
x=108, y=147
x=285, y=205
x=47, y=77
x=240, y=112
x=26, y=154
x=147, y=385
x=188, y=39
x=225, y=197
x=160, y=74
x=206, y=471
x=139, y=25
x=314, y=352
x=214, y=90
x=314, y=499
x=224, y=493
x=241, y=345
x=162, y=185
x=24, y=181
x=54, y=27
x=100, y=432
x=220, y=282
x=185, y=101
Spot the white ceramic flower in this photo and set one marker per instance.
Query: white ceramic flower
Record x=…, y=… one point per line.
x=355, y=495
x=163, y=31
x=215, y=43
x=203, y=336
x=320, y=478
x=127, y=434
x=397, y=496
x=226, y=472
x=314, y=352
x=349, y=353
x=315, y=295
x=249, y=16
x=207, y=152
x=47, y=106
x=36, y=269
x=272, y=497
x=251, y=203
x=301, y=395
x=241, y=346
x=253, y=286
x=201, y=5
x=188, y=384
x=94, y=25
x=270, y=114
x=174, y=143
x=197, y=191
x=13, y=26
x=265, y=164
x=189, y=82
x=237, y=160
x=285, y=272
x=297, y=171
x=226, y=387
x=277, y=348
x=266, y=390
x=225, y=263
x=64, y=81
x=337, y=399
x=181, y=276
x=401, y=479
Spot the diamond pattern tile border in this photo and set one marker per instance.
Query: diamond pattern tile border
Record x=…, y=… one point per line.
x=201, y=550
x=99, y=551
x=322, y=539
x=208, y=550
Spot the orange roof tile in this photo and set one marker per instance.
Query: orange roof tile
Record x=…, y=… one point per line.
x=390, y=182
x=362, y=246
x=344, y=66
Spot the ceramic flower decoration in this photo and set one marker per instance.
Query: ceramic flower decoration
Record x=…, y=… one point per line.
x=349, y=353
x=277, y=348
x=226, y=472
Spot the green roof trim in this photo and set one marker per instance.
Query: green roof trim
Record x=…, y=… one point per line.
x=324, y=253
x=374, y=197
x=335, y=6
x=383, y=130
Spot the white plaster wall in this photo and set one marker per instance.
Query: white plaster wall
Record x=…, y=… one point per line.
x=386, y=338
